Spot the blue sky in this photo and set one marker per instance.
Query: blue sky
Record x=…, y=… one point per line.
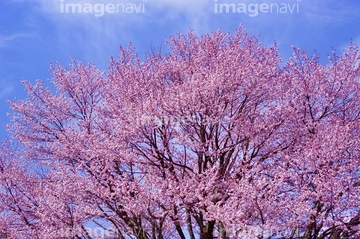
x=35, y=33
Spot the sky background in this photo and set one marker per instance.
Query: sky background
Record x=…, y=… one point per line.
x=35, y=33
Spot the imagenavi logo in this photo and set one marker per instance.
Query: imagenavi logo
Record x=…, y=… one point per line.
x=100, y=8
x=253, y=9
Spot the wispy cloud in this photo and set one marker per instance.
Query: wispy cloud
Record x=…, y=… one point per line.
x=5, y=40
x=5, y=90
x=190, y=12
x=188, y=6
x=98, y=36
x=322, y=12
x=196, y=14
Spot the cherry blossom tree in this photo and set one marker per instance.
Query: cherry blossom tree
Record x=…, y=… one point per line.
x=215, y=139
